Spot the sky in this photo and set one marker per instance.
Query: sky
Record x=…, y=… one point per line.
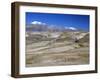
x=74, y=21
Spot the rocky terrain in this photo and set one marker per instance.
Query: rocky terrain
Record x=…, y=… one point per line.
x=56, y=47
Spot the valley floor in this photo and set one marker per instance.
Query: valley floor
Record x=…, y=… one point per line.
x=56, y=54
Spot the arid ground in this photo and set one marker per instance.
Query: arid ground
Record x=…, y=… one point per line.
x=57, y=48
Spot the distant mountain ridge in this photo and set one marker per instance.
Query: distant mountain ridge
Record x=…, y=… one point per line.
x=38, y=31
x=39, y=26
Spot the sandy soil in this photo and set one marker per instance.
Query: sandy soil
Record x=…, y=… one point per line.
x=56, y=54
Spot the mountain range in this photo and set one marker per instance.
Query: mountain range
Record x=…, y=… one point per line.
x=39, y=26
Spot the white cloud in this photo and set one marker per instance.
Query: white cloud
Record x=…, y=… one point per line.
x=72, y=28
x=38, y=22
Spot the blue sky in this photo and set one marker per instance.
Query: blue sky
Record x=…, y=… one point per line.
x=64, y=20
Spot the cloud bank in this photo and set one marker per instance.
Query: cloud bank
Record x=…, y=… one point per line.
x=41, y=23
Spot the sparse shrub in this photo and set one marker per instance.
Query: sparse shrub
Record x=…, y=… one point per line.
x=75, y=47
x=81, y=45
